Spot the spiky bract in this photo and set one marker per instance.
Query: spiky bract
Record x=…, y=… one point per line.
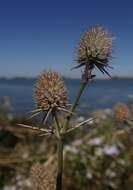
x=50, y=91
x=95, y=48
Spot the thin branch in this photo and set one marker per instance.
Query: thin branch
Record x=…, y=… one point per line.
x=47, y=115
x=67, y=111
x=81, y=124
x=33, y=115
x=34, y=111
x=45, y=134
x=74, y=105
x=33, y=128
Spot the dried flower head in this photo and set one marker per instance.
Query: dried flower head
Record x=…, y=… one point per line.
x=42, y=178
x=50, y=93
x=122, y=113
x=95, y=48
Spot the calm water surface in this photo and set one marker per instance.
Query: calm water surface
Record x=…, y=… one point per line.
x=100, y=94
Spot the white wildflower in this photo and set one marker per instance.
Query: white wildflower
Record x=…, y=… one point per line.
x=111, y=150
x=95, y=141
x=71, y=149
x=89, y=175
x=99, y=151
x=110, y=173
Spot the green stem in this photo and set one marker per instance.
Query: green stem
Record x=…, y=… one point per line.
x=57, y=125
x=60, y=165
x=81, y=88
x=60, y=139
x=60, y=154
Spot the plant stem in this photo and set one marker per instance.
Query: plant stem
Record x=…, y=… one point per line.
x=80, y=91
x=57, y=125
x=60, y=154
x=60, y=165
x=61, y=131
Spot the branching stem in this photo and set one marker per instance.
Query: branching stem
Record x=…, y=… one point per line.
x=62, y=131
x=80, y=91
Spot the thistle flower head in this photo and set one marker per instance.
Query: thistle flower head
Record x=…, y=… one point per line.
x=122, y=113
x=50, y=91
x=50, y=94
x=95, y=48
x=42, y=178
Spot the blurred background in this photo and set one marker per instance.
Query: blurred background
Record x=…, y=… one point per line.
x=40, y=35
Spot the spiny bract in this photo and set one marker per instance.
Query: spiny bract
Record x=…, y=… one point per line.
x=50, y=91
x=95, y=48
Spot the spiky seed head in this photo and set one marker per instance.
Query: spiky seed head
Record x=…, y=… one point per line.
x=50, y=91
x=95, y=48
x=42, y=178
x=122, y=113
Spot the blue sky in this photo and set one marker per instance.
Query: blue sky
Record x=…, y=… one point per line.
x=39, y=34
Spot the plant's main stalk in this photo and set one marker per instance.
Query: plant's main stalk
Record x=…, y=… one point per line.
x=80, y=91
x=60, y=165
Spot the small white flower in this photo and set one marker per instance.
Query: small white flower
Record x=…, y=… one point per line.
x=95, y=141
x=110, y=173
x=98, y=151
x=28, y=183
x=25, y=155
x=111, y=150
x=67, y=148
x=89, y=175
x=80, y=119
x=122, y=162
x=71, y=149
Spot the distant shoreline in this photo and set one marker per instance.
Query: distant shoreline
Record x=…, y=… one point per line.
x=66, y=78
x=34, y=78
